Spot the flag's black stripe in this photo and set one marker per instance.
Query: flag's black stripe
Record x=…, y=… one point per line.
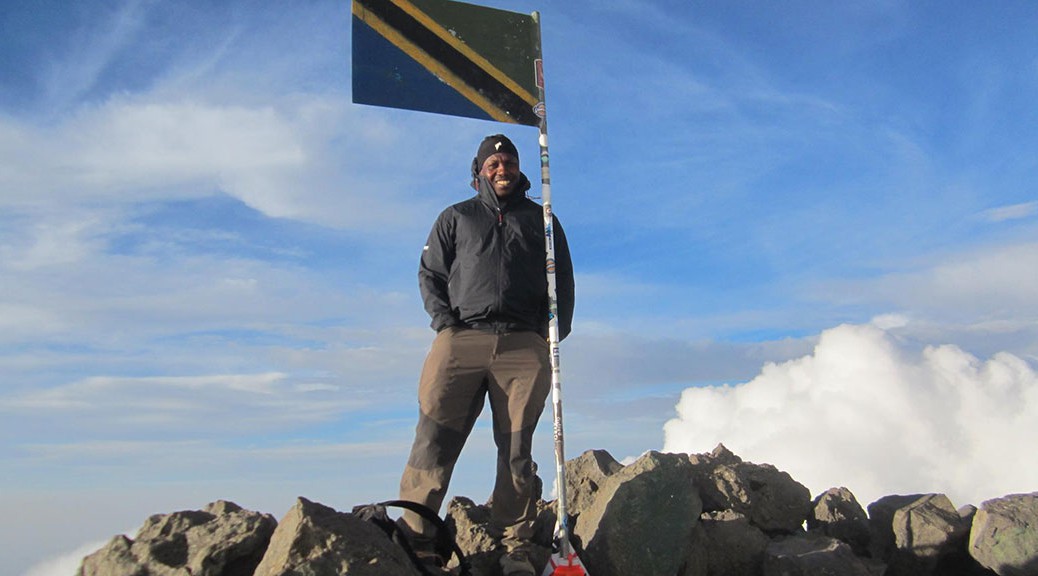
x=468, y=71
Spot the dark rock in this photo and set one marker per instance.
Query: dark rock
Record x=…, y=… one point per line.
x=220, y=540
x=117, y=558
x=474, y=534
x=768, y=497
x=544, y=526
x=720, y=455
x=837, y=514
x=811, y=554
x=642, y=519
x=698, y=553
x=967, y=513
x=584, y=477
x=913, y=534
x=1004, y=537
x=731, y=545
x=664, y=515
x=314, y=540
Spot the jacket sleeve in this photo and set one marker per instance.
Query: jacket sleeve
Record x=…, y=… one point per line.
x=564, y=284
x=434, y=272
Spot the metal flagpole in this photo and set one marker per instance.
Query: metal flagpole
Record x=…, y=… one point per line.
x=564, y=560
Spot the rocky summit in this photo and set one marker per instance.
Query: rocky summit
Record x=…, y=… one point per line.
x=662, y=515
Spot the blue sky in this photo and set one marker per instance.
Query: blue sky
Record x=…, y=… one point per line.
x=789, y=222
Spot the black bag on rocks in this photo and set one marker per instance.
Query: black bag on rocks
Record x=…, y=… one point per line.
x=444, y=545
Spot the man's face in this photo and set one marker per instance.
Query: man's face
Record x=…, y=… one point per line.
x=502, y=170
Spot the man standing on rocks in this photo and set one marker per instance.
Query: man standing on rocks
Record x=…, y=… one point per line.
x=482, y=278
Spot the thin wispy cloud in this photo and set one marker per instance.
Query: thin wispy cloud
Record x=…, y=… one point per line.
x=1012, y=212
x=98, y=40
x=984, y=283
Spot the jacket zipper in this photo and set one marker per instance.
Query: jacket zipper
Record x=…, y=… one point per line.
x=500, y=258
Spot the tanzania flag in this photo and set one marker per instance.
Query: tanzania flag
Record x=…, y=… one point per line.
x=446, y=57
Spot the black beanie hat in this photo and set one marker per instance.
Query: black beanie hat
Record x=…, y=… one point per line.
x=488, y=147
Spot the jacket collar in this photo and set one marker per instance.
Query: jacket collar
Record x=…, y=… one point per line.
x=486, y=193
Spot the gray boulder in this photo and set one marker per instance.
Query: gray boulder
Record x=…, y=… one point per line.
x=117, y=558
x=811, y=554
x=220, y=540
x=314, y=540
x=768, y=497
x=1004, y=537
x=642, y=519
x=584, y=477
x=474, y=534
x=837, y=514
x=915, y=534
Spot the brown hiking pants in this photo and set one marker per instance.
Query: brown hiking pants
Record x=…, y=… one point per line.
x=463, y=367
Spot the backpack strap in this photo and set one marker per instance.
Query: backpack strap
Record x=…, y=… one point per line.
x=376, y=514
x=443, y=534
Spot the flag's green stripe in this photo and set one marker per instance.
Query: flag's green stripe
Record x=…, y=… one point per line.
x=472, y=55
x=429, y=63
x=506, y=39
x=439, y=57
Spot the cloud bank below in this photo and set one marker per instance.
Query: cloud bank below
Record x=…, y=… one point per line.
x=870, y=411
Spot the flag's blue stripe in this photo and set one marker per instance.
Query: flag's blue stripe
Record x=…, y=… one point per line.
x=383, y=75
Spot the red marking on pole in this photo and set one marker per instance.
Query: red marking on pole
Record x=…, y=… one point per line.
x=571, y=567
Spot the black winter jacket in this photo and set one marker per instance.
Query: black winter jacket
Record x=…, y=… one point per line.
x=484, y=265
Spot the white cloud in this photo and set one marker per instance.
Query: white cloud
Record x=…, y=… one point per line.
x=868, y=411
x=151, y=148
x=66, y=564
x=193, y=454
x=990, y=287
x=1002, y=277
x=286, y=157
x=1010, y=212
x=59, y=240
x=206, y=402
x=890, y=321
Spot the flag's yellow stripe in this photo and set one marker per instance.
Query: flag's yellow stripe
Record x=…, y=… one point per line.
x=431, y=64
x=460, y=46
